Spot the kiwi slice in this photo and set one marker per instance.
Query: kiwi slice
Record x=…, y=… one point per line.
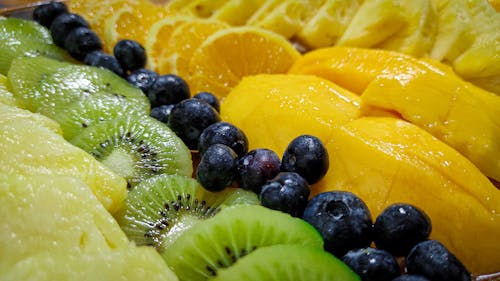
x=159, y=209
x=20, y=37
x=44, y=85
x=234, y=232
x=288, y=263
x=100, y=107
x=136, y=147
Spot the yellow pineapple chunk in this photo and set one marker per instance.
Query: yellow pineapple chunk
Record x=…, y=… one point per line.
x=388, y=160
x=6, y=97
x=10, y=113
x=54, y=228
x=374, y=22
x=237, y=12
x=28, y=148
x=328, y=23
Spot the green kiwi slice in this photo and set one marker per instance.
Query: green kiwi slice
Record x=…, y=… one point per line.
x=136, y=147
x=288, y=263
x=234, y=232
x=159, y=209
x=51, y=85
x=20, y=37
x=99, y=107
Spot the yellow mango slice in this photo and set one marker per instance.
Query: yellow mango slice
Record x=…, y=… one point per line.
x=262, y=106
x=348, y=67
x=388, y=160
x=458, y=113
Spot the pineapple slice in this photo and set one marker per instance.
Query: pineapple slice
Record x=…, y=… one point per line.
x=328, y=23
x=30, y=147
x=9, y=113
x=237, y=12
x=54, y=228
x=374, y=22
x=6, y=97
x=417, y=37
x=283, y=17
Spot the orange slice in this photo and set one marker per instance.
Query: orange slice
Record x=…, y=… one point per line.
x=228, y=55
x=131, y=23
x=158, y=37
x=184, y=41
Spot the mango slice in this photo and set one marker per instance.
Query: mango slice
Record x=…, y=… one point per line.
x=387, y=160
x=458, y=113
x=262, y=104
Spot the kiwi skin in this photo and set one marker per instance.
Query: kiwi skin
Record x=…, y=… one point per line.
x=159, y=209
x=136, y=147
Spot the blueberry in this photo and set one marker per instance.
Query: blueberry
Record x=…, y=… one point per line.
x=410, y=277
x=189, y=118
x=287, y=192
x=209, y=98
x=434, y=261
x=168, y=89
x=217, y=167
x=399, y=228
x=63, y=25
x=142, y=78
x=225, y=133
x=130, y=54
x=81, y=41
x=257, y=167
x=307, y=156
x=161, y=113
x=342, y=219
x=45, y=14
x=372, y=264
x=100, y=59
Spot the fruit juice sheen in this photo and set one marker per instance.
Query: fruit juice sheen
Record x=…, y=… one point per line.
x=26, y=13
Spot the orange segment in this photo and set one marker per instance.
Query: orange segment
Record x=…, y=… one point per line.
x=231, y=54
x=158, y=37
x=131, y=23
x=272, y=109
x=184, y=41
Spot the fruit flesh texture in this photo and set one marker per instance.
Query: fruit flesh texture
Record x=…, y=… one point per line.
x=388, y=160
x=228, y=55
x=6, y=97
x=28, y=148
x=56, y=220
x=288, y=262
x=261, y=104
x=235, y=232
x=459, y=113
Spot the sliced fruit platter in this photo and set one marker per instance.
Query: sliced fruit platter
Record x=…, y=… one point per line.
x=250, y=140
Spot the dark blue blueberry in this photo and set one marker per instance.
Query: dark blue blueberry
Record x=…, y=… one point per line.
x=372, y=264
x=217, y=167
x=45, y=14
x=142, y=78
x=63, y=25
x=225, y=133
x=342, y=219
x=434, y=261
x=161, y=113
x=287, y=192
x=410, y=277
x=189, y=118
x=100, y=59
x=168, y=89
x=307, y=156
x=399, y=228
x=209, y=98
x=257, y=167
x=82, y=41
x=130, y=54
